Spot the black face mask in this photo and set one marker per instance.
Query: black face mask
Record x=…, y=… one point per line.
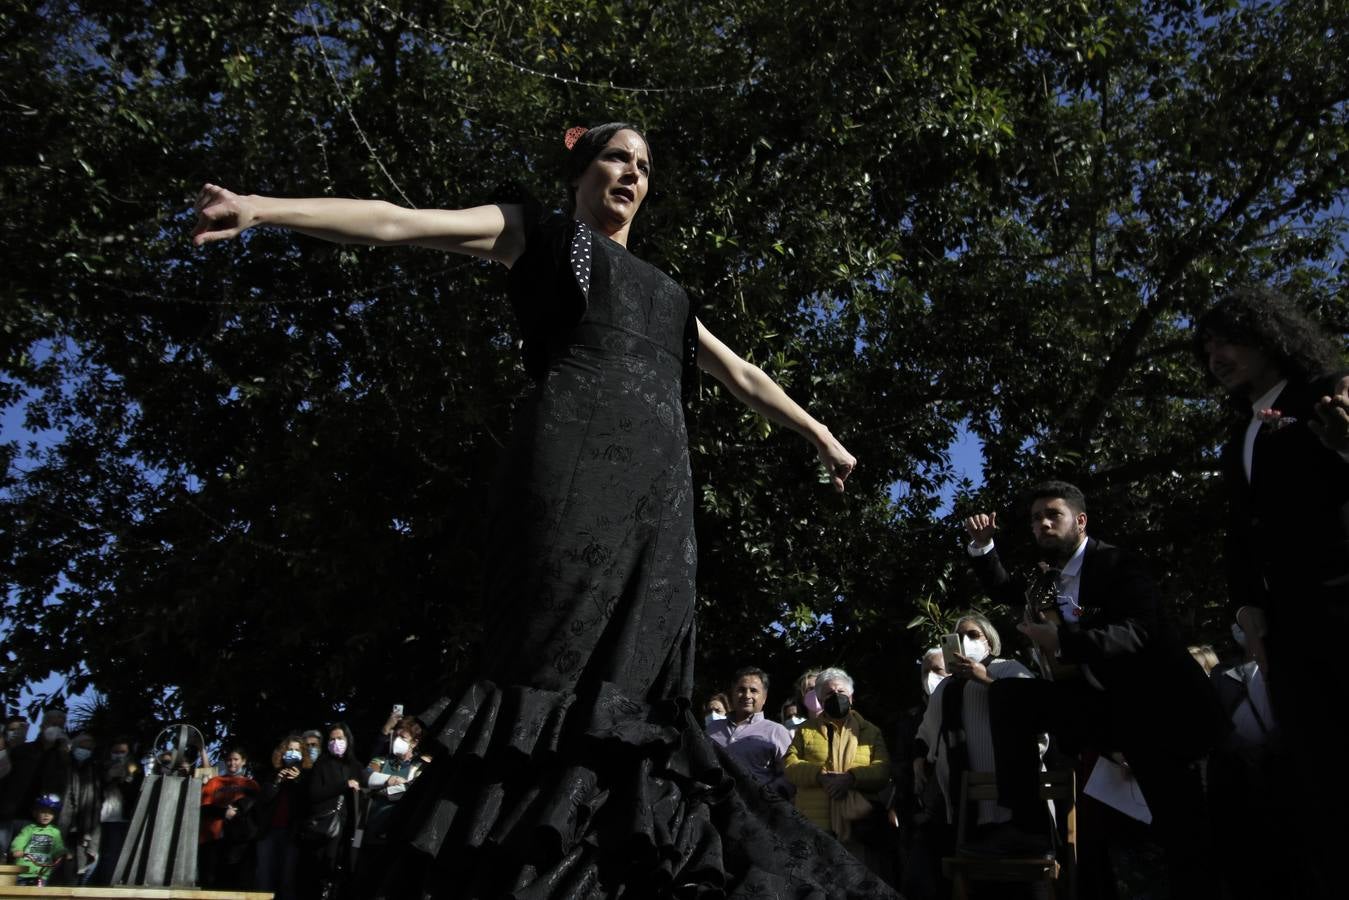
x=837, y=705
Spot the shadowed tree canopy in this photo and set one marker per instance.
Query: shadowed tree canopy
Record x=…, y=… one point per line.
x=263, y=467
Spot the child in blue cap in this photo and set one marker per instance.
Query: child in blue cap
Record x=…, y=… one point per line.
x=38, y=848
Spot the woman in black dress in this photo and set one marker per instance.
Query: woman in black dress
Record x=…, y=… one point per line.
x=574, y=767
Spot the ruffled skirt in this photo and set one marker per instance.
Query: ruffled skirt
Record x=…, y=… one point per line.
x=535, y=794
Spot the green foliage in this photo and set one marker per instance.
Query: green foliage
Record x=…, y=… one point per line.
x=271, y=459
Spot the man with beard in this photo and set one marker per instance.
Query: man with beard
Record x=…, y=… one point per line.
x=1122, y=684
x=1286, y=475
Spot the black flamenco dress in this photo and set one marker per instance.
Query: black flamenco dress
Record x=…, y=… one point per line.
x=574, y=767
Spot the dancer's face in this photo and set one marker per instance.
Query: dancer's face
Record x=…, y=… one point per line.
x=612, y=188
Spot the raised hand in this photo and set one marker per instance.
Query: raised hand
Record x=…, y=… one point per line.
x=980, y=527
x=1332, y=414
x=221, y=215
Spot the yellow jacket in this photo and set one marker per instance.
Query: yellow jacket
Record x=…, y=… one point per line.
x=809, y=755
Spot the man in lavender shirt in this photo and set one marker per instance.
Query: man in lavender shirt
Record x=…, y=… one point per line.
x=753, y=740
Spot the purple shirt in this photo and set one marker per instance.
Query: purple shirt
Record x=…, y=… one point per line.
x=759, y=744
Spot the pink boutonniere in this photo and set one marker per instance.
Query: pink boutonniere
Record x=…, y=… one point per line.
x=1274, y=420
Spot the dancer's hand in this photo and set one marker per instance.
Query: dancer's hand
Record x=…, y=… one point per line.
x=838, y=462
x=221, y=214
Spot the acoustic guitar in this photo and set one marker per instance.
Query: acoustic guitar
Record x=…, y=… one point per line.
x=1042, y=608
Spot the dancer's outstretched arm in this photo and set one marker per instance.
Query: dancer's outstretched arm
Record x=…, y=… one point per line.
x=494, y=232
x=752, y=387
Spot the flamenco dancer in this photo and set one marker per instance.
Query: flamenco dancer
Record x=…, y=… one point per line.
x=574, y=767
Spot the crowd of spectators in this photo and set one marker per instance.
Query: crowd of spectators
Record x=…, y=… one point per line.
x=892, y=797
x=311, y=818
x=308, y=821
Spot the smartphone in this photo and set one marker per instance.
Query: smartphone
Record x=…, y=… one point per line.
x=950, y=647
x=397, y=709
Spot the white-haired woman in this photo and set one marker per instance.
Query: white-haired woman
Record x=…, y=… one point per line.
x=838, y=760
x=955, y=728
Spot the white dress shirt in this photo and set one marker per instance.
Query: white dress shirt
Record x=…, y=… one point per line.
x=1265, y=402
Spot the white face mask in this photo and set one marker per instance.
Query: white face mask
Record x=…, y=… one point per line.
x=975, y=648
x=1239, y=635
x=400, y=746
x=51, y=734
x=712, y=717
x=933, y=679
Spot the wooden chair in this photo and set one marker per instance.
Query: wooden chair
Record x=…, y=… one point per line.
x=1061, y=872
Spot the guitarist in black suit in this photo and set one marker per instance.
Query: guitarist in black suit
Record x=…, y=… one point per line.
x=1120, y=682
x=1286, y=475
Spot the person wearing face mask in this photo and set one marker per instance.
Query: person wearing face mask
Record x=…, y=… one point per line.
x=958, y=736
x=388, y=777
x=121, y=778
x=225, y=849
x=79, y=818
x=326, y=827
x=805, y=689
x=714, y=710
x=313, y=745
x=838, y=763
x=276, y=813
x=38, y=768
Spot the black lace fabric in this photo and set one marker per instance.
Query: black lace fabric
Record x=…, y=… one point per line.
x=574, y=768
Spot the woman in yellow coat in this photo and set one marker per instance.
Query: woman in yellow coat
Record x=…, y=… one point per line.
x=837, y=761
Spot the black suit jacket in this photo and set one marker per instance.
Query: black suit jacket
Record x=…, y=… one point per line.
x=1159, y=698
x=1288, y=526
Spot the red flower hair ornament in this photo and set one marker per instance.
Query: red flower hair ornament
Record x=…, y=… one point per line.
x=573, y=135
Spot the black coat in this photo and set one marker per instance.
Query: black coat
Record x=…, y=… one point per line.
x=328, y=779
x=1158, y=696
x=1288, y=526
